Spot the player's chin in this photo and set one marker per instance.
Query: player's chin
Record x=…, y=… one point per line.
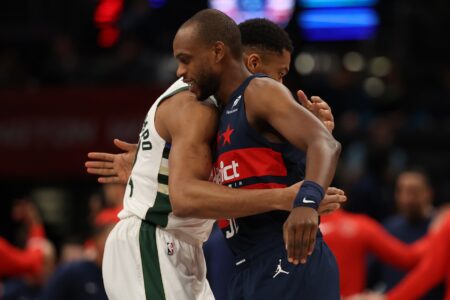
x=201, y=96
x=193, y=88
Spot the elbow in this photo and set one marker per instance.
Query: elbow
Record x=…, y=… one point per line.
x=338, y=148
x=334, y=147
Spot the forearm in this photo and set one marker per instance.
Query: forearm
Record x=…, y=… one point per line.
x=202, y=199
x=417, y=283
x=430, y=271
x=394, y=252
x=321, y=161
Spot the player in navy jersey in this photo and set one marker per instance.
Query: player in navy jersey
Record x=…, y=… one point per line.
x=254, y=132
x=267, y=49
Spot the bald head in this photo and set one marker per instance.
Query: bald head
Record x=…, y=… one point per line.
x=212, y=25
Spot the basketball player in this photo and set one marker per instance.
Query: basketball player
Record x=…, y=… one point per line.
x=267, y=49
x=254, y=132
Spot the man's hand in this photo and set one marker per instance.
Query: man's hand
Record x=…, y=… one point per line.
x=113, y=168
x=319, y=108
x=299, y=233
x=332, y=201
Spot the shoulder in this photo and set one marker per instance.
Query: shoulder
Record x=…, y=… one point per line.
x=184, y=103
x=182, y=115
x=265, y=86
x=265, y=95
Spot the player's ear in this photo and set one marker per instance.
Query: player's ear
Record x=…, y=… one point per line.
x=219, y=51
x=253, y=62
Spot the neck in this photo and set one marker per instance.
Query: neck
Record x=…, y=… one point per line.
x=235, y=75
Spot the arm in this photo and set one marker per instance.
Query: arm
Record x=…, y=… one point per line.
x=431, y=270
x=387, y=248
x=190, y=127
x=15, y=261
x=270, y=102
x=322, y=111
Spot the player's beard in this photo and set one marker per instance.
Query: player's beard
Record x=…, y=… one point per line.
x=208, y=84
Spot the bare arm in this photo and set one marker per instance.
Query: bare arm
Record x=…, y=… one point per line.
x=191, y=127
x=270, y=102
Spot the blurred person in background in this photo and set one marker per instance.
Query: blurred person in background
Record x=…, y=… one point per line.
x=370, y=162
x=113, y=194
x=434, y=268
x=25, y=271
x=414, y=200
x=82, y=279
x=353, y=237
x=113, y=197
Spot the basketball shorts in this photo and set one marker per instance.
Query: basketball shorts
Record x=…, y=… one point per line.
x=265, y=273
x=144, y=262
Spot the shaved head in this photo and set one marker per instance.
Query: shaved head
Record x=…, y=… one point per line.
x=205, y=46
x=212, y=25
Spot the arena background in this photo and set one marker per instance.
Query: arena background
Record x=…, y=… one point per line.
x=76, y=74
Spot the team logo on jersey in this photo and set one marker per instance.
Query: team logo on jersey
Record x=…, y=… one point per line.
x=235, y=103
x=226, y=135
x=170, y=248
x=279, y=270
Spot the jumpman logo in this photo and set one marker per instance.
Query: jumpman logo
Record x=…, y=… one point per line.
x=279, y=270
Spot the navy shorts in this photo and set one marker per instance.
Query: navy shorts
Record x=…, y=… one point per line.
x=267, y=274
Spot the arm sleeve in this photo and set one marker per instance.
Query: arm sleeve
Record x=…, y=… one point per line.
x=388, y=248
x=15, y=261
x=430, y=271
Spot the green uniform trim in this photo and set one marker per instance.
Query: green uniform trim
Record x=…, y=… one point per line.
x=164, y=179
x=154, y=289
x=159, y=212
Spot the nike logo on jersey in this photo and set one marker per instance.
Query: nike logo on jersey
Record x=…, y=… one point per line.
x=236, y=101
x=308, y=201
x=233, y=109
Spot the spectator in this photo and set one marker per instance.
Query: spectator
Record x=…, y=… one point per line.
x=414, y=197
x=82, y=280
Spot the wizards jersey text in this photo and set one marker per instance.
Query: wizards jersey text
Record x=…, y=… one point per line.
x=246, y=159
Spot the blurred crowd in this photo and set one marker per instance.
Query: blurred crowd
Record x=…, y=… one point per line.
x=33, y=268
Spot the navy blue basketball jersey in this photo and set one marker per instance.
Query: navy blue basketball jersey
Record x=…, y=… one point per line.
x=246, y=159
